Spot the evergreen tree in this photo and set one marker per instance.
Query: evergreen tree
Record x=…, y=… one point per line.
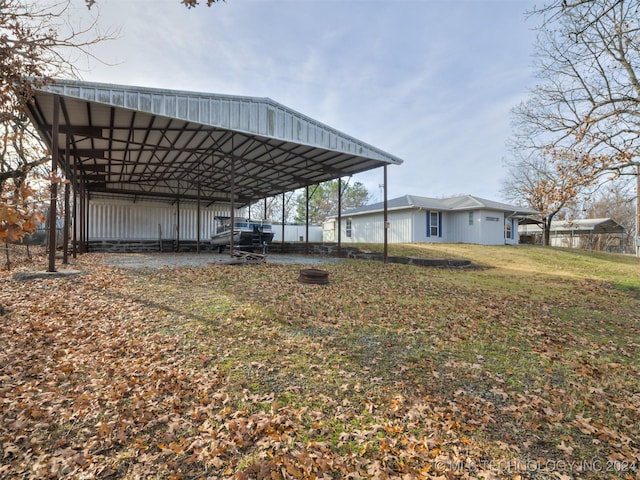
x=323, y=200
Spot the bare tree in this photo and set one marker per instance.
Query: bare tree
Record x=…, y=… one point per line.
x=585, y=111
x=186, y=3
x=272, y=207
x=587, y=107
x=38, y=41
x=535, y=180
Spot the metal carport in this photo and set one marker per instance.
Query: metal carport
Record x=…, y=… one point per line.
x=127, y=140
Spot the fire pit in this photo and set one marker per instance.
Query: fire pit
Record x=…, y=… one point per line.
x=313, y=275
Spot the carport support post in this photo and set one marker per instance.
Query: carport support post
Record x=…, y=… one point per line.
x=87, y=219
x=83, y=218
x=67, y=186
x=54, y=185
x=283, y=218
x=339, y=217
x=74, y=248
x=177, y=245
x=386, y=218
x=233, y=206
x=306, y=236
x=198, y=221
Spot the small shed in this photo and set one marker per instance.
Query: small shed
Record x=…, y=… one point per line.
x=589, y=233
x=296, y=232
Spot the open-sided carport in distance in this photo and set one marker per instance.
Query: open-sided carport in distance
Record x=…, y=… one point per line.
x=186, y=146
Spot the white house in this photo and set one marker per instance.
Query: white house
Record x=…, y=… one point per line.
x=414, y=219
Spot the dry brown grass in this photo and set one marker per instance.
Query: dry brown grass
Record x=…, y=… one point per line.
x=527, y=367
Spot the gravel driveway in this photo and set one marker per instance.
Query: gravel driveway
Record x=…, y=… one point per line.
x=157, y=260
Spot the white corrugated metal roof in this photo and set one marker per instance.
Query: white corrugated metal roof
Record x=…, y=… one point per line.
x=127, y=139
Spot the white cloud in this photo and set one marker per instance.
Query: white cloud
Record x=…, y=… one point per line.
x=431, y=82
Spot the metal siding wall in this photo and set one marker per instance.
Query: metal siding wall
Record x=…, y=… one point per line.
x=292, y=233
x=122, y=220
x=363, y=229
x=370, y=228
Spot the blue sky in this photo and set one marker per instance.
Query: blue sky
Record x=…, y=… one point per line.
x=432, y=82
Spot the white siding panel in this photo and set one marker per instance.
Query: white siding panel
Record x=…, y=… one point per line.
x=420, y=226
x=296, y=233
x=364, y=228
x=370, y=228
x=459, y=230
x=123, y=220
x=492, y=231
x=401, y=227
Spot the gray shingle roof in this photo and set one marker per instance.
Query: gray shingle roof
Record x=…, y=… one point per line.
x=458, y=203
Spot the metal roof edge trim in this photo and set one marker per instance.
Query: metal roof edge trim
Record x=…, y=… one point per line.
x=366, y=150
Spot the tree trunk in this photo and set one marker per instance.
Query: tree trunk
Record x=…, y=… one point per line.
x=8, y=262
x=637, y=211
x=547, y=232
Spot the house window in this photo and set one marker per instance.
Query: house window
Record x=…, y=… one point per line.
x=434, y=224
x=508, y=229
x=471, y=218
x=349, y=226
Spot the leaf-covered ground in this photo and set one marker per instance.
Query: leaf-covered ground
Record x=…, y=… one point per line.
x=525, y=368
